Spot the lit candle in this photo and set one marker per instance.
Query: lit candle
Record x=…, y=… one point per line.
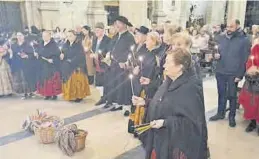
x=32, y=45
x=131, y=83
x=252, y=59
x=10, y=43
x=60, y=48
x=141, y=63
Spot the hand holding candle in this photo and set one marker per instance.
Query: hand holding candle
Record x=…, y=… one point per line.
x=131, y=83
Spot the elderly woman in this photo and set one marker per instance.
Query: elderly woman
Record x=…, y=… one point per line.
x=183, y=41
x=6, y=87
x=144, y=74
x=178, y=123
x=248, y=98
x=75, y=82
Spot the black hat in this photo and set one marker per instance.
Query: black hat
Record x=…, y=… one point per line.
x=143, y=30
x=123, y=20
x=86, y=27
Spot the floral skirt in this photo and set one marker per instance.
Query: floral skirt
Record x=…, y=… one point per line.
x=51, y=87
x=77, y=87
x=6, y=86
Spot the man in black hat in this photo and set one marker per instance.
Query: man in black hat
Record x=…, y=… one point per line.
x=120, y=49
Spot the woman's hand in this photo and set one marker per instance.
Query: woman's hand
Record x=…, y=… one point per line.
x=50, y=60
x=157, y=124
x=138, y=101
x=144, y=81
x=252, y=70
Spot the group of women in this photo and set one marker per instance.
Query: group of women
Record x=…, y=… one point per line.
x=45, y=68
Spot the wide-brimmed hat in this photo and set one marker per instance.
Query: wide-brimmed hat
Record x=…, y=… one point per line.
x=123, y=20
x=86, y=27
x=143, y=30
x=99, y=25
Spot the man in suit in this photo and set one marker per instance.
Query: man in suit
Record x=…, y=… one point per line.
x=100, y=47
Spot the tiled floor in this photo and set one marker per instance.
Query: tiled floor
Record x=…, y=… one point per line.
x=108, y=137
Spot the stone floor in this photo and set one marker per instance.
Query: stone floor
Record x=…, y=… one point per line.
x=108, y=137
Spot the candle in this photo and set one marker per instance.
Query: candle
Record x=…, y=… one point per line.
x=141, y=63
x=60, y=48
x=32, y=45
x=10, y=43
x=131, y=83
x=252, y=59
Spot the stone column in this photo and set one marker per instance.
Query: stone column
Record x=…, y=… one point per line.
x=215, y=12
x=96, y=13
x=184, y=12
x=159, y=14
x=129, y=8
x=237, y=10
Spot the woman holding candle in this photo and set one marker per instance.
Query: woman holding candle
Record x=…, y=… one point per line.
x=74, y=73
x=178, y=126
x=23, y=67
x=248, y=99
x=6, y=85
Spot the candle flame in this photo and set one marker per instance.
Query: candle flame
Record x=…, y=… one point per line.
x=132, y=47
x=140, y=58
x=129, y=56
x=60, y=48
x=31, y=43
x=131, y=76
x=216, y=47
x=99, y=52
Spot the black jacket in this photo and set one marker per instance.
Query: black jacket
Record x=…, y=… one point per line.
x=234, y=50
x=181, y=104
x=104, y=45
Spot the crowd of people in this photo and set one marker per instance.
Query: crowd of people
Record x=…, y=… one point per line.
x=147, y=73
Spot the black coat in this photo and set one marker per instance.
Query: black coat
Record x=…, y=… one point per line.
x=74, y=59
x=118, y=77
x=181, y=105
x=48, y=51
x=103, y=74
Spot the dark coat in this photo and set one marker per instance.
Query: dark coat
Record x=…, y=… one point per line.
x=74, y=59
x=185, y=126
x=27, y=65
x=48, y=51
x=103, y=73
x=234, y=50
x=119, y=78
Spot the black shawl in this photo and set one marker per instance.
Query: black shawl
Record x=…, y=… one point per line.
x=74, y=59
x=46, y=69
x=181, y=105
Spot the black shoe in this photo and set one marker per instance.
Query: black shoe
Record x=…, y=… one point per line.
x=217, y=117
x=47, y=98
x=251, y=126
x=126, y=113
x=232, y=122
x=78, y=100
x=54, y=97
x=107, y=105
x=31, y=95
x=116, y=109
x=100, y=102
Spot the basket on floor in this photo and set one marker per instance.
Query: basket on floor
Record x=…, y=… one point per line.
x=46, y=135
x=80, y=140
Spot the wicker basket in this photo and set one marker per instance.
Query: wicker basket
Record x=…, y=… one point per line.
x=80, y=140
x=46, y=135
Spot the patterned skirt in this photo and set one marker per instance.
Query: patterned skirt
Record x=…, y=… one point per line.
x=6, y=86
x=77, y=87
x=51, y=87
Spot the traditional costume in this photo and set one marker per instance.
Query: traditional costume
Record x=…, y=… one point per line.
x=120, y=82
x=184, y=133
x=6, y=87
x=23, y=68
x=49, y=79
x=87, y=44
x=249, y=100
x=74, y=73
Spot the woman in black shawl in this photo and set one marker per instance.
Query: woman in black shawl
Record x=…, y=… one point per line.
x=75, y=82
x=176, y=113
x=49, y=82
